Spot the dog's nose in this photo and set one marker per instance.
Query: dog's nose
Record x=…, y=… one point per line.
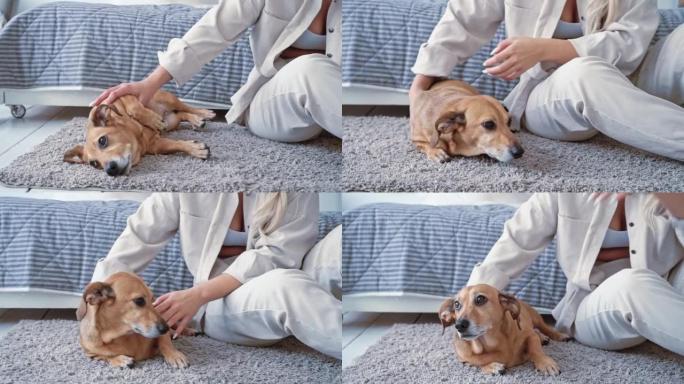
x=462, y=325
x=162, y=328
x=517, y=151
x=112, y=168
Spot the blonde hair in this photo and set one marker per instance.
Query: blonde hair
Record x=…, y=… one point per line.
x=269, y=214
x=600, y=14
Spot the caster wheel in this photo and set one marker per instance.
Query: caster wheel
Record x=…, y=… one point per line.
x=18, y=111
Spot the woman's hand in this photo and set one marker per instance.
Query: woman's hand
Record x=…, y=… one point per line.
x=144, y=90
x=138, y=89
x=178, y=307
x=513, y=57
x=420, y=83
x=516, y=55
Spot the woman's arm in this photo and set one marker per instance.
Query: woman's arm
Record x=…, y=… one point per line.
x=525, y=236
x=178, y=307
x=673, y=202
x=516, y=55
x=284, y=247
x=144, y=89
x=147, y=232
x=219, y=28
x=463, y=29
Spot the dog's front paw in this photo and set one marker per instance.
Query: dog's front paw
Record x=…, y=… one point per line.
x=122, y=361
x=494, y=368
x=547, y=366
x=176, y=359
x=199, y=150
x=158, y=123
x=438, y=155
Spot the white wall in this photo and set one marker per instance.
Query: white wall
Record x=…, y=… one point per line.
x=355, y=200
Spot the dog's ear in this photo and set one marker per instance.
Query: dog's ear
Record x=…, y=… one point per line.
x=447, y=315
x=450, y=122
x=504, y=107
x=94, y=294
x=75, y=155
x=97, y=293
x=510, y=304
x=99, y=116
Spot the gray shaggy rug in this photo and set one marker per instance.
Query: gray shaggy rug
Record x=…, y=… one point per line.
x=418, y=353
x=240, y=161
x=378, y=156
x=47, y=351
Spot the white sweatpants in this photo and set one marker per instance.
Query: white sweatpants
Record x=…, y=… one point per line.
x=299, y=101
x=632, y=306
x=286, y=302
x=588, y=95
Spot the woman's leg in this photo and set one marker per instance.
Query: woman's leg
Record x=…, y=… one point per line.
x=324, y=263
x=662, y=72
x=275, y=305
x=588, y=95
x=300, y=100
x=630, y=307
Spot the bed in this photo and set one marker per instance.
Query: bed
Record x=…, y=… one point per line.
x=49, y=248
x=66, y=53
x=381, y=41
x=409, y=257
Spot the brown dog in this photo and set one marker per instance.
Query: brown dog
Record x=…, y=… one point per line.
x=453, y=119
x=120, y=134
x=120, y=325
x=495, y=331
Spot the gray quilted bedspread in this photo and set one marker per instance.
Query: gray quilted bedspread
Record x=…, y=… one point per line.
x=49, y=244
x=431, y=250
x=99, y=45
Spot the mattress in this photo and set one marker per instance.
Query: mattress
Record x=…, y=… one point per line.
x=381, y=39
x=63, y=44
x=430, y=250
x=54, y=245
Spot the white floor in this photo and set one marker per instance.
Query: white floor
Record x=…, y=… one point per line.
x=360, y=330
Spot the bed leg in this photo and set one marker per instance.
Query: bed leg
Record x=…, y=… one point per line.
x=18, y=111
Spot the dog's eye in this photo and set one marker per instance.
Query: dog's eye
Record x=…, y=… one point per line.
x=480, y=300
x=489, y=125
x=102, y=142
x=457, y=305
x=140, y=301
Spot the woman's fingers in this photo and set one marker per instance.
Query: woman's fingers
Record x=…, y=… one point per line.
x=163, y=306
x=501, y=69
x=161, y=299
x=501, y=46
x=102, y=96
x=115, y=94
x=173, y=320
x=181, y=326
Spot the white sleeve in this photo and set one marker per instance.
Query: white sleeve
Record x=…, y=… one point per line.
x=525, y=236
x=286, y=246
x=219, y=28
x=147, y=232
x=464, y=28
